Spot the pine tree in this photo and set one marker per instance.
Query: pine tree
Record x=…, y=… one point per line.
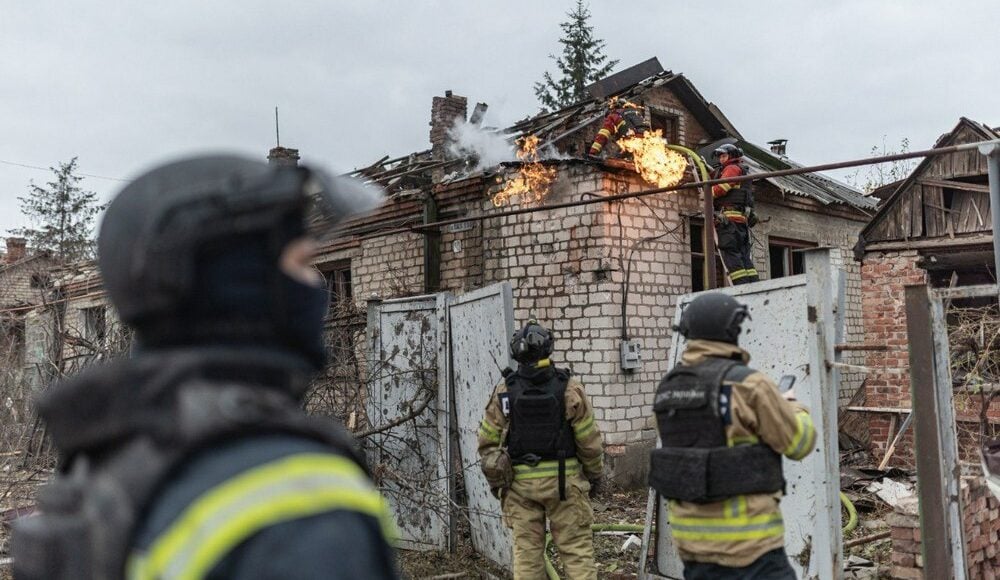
x=63, y=214
x=582, y=62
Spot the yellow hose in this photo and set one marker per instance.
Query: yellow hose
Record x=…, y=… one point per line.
x=852, y=514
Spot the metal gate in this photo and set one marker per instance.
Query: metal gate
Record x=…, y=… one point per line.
x=792, y=331
x=448, y=351
x=408, y=362
x=480, y=325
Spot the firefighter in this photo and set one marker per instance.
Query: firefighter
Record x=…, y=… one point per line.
x=724, y=428
x=623, y=119
x=543, y=456
x=734, y=215
x=192, y=458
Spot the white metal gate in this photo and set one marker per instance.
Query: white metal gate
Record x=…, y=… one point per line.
x=480, y=326
x=792, y=331
x=407, y=365
x=451, y=350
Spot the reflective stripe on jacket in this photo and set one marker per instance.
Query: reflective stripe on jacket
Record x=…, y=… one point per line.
x=579, y=413
x=293, y=487
x=737, y=531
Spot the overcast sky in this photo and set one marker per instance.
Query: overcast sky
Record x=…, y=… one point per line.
x=123, y=85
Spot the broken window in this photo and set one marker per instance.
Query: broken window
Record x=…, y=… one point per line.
x=338, y=284
x=786, y=257
x=95, y=326
x=667, y=123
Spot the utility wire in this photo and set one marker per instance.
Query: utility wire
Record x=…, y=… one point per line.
x=50, y=169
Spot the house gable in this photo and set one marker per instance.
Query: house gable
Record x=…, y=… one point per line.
x=946, y=196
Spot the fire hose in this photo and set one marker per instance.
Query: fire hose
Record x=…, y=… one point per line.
x=550, y=570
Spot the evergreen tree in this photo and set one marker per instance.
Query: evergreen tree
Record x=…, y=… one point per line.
x=63, y=215
x=582, y=62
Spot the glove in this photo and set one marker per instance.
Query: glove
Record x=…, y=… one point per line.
x=498, y=471
x=752, y=218
x=721, y=220
x=595, y=487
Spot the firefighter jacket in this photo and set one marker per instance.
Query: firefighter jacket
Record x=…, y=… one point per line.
x=618, y=123
x=494, y=432
x=732, y=199
x=199, y=463
x=736, y=531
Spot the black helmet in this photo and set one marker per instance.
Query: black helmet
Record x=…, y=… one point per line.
x=532, y=343
x=713, y=316
x=160, y=227
x=733, y=151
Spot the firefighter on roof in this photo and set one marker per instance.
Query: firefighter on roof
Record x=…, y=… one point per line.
x=734, y=215
x=624, y=118
x=724, y=427
x=543, y=456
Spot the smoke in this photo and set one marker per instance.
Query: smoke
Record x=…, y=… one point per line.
x=488, y=147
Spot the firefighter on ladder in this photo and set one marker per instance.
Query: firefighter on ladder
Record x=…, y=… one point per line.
x=734, y=215
x=542, y=455
x=623, y=119
x=724, y=427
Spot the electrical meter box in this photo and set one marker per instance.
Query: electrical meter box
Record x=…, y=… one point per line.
x=631, y=355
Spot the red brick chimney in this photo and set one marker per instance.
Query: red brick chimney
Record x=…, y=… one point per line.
x=444, y=111
x=16, y=250
x=283, y=156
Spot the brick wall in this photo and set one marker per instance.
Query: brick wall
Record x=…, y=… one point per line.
x=389, y=266
x=567, y=268
x=883, y=278
x=981, y=522
x=24, y=283
x=689, y=132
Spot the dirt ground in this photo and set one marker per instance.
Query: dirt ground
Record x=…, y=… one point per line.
x=609, y=508
x=613, y=564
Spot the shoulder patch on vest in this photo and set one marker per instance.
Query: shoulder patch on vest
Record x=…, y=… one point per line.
x=504, y=399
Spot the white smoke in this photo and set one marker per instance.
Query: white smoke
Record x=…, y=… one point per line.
x=489, y=147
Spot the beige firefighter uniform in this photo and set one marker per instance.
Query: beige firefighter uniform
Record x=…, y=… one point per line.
x=529, y=494
x=737, y=531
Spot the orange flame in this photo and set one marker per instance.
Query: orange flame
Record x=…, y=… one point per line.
x=531, y=183
x=656, y=164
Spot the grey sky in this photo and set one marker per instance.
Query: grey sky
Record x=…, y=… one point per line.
x=123, y=85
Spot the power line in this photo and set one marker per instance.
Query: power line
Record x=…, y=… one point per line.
x=25, y=165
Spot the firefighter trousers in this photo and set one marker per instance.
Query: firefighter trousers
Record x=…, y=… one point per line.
x=734, y=245
x=528, y=503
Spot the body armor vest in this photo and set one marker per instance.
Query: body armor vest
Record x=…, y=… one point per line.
x=694, y=462
x=90, y=511
x=538, y=427
x=635, y=121
x=740, y=196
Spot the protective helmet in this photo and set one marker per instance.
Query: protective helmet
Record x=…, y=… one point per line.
x=162, y=223
x=733, y=151
x=532, y=343
x=713, y=316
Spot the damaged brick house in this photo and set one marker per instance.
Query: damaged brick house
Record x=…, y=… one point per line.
x=24, y=282
x=599, y=274
x=934, y=227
